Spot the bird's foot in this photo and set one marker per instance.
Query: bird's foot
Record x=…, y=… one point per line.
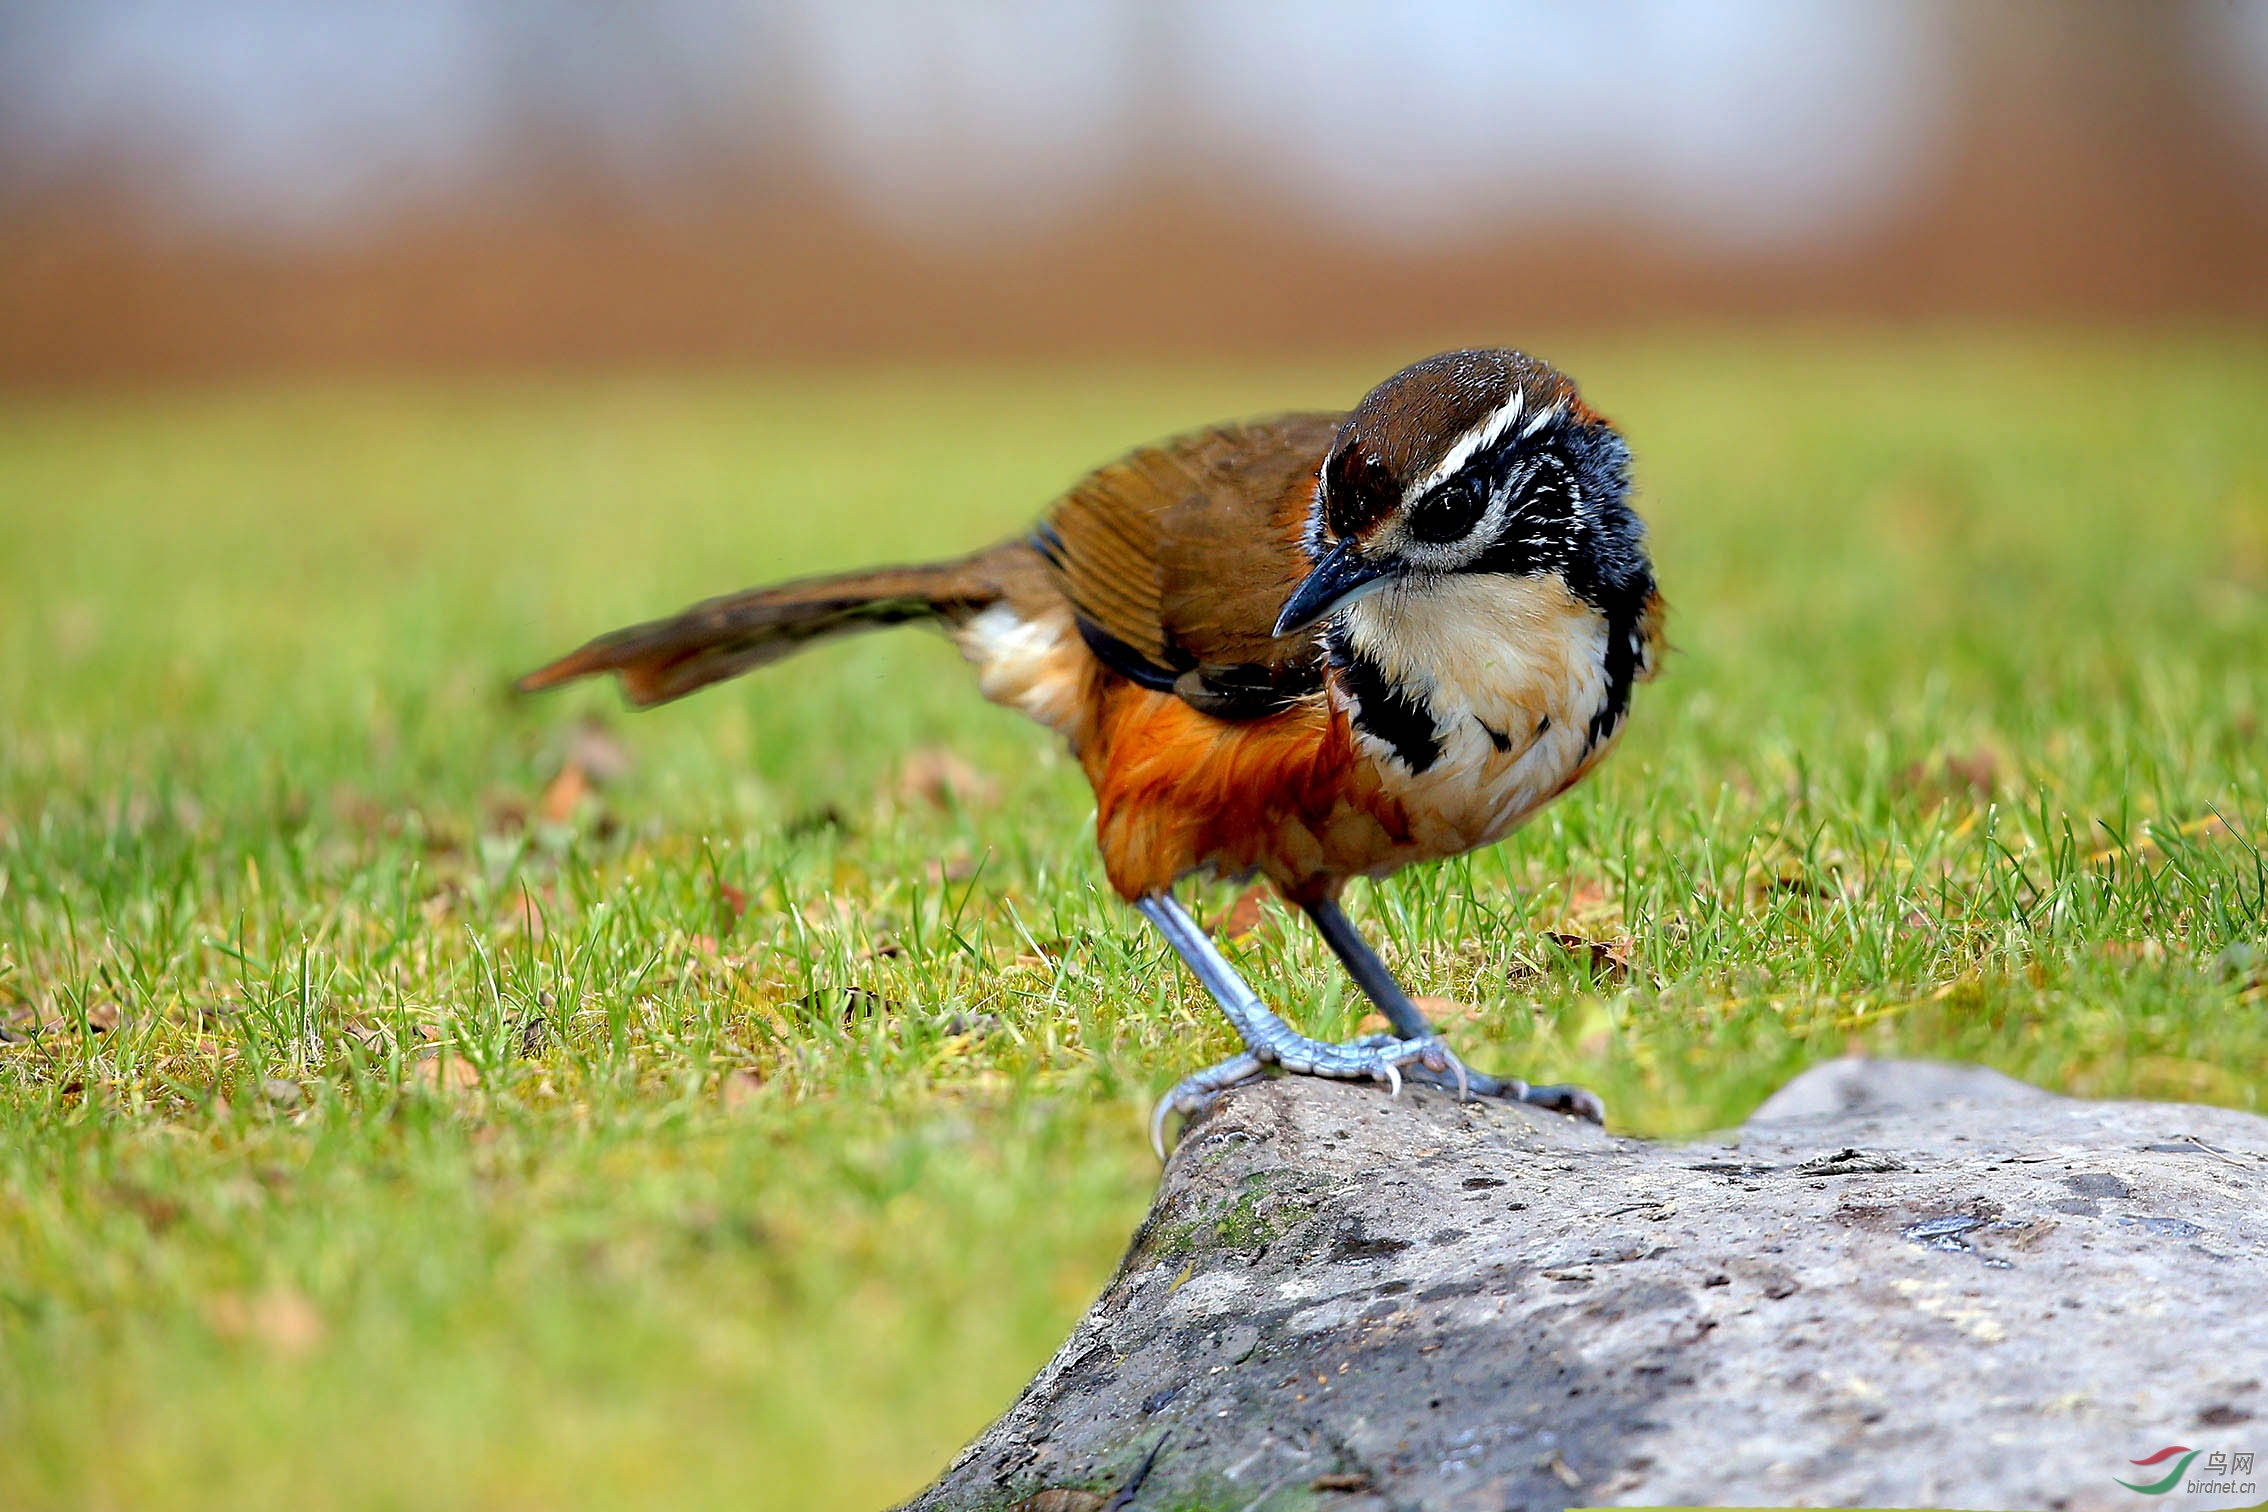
x=1374, y=1057
x=1575, y=1102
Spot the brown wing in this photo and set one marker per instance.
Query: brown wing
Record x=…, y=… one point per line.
x=1178, y=558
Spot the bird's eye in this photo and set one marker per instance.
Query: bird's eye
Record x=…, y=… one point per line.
x=1449, y=513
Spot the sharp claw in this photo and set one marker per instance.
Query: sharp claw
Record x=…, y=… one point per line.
x=1393, y=1078
x=1464, y=1082
x=1196, y=1092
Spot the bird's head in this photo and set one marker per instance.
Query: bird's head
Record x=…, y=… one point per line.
x=1470, y=462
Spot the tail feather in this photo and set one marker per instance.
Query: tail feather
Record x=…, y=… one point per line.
x=724, y=637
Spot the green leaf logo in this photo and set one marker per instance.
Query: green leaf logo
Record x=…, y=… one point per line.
x=2173, y=1476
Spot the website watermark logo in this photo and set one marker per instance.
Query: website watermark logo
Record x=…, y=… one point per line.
x=2224, y=1473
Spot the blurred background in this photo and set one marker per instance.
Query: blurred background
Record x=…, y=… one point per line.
x=410, y=1096
x=195, y=189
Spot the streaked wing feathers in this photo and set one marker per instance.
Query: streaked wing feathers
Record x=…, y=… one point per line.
x=1178, y=557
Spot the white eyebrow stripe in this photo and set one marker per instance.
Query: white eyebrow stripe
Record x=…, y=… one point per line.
x=1544, y=417
x=1479, y=438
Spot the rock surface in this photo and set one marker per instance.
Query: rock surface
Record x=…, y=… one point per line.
x=1901, y=1284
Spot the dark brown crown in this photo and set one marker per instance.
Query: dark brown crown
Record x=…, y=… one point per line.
x=1403, y=428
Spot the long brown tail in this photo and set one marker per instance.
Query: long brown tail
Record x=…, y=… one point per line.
x=724, y=637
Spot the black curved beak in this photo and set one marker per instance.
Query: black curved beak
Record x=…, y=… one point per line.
x=1339, y=578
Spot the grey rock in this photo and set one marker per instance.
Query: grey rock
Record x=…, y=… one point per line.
x=1899, y=1284
x=1860, y=1088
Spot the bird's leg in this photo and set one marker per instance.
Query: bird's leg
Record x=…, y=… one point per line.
x=1267, y=1038
x=1378, y=984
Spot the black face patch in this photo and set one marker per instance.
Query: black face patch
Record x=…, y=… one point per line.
x=1450, y=512
x=1382, y=709
x=1542, y=527
x=1609, y=570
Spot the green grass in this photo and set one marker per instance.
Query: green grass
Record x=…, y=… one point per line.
x=328, y=1179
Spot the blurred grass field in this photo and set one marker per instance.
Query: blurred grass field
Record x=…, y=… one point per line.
x=387, y=1122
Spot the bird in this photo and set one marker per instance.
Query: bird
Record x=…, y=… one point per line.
x=1312, y=647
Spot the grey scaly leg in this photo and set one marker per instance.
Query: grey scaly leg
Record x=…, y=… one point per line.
x=1378, y=984
x=1267, y=1038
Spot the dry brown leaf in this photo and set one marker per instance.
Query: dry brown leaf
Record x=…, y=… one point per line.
x=1437, y=1010
x=816, y=821
x=1244, y=916
x=281, y=1318
x=437, y=909
x=1793, y=877
x=287, y=1322
x=1444, y=1010
x=228, y=1315
x=1606, y=958
x=1979, y=772
x=1586, y=898
x=507, y=813
x=451, y=1074
x=357, y=810
x=158, y=1211
x=939, y=777
x=439, y=836
x=2151, y=951
x=739, y=1088
x=565, y=793
x=102, y=1018
x=1046, y=958
x=1951, y=775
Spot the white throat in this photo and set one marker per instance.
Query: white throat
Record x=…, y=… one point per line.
x=1512, y=670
